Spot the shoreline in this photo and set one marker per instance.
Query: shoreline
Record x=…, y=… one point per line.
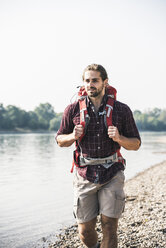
x=143, y=223
x=22, y=130
x=26, y=131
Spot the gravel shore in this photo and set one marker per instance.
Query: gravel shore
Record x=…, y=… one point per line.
x=143, y=224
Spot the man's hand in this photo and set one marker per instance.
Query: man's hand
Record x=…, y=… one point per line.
x=65, y=140
x=113, y=133
x=78, y=131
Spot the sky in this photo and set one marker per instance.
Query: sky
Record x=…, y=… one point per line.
x=46, y=44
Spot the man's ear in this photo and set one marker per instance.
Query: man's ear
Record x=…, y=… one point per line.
x=105, y=82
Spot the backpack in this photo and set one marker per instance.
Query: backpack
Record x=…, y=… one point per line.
x=84, y=119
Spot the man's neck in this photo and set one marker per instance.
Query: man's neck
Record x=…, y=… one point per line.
x=97, y=101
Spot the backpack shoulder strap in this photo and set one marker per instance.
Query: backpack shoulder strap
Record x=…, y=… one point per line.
x=109, y=110
x=84, y=116
x=83, y=111
x=111, y=93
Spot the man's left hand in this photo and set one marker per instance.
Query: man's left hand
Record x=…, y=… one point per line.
x=113, y=133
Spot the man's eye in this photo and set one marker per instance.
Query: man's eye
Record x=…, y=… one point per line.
x=95, y=80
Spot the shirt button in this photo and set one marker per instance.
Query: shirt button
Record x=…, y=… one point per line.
x=98, y=134
x=99, y=166
x=97, y=122
x=98, y=147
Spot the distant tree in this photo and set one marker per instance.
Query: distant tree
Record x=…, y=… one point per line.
x=137, y=116
x=2, y=112
x=162, y=119
x=152, y=120
x=14, y=117
x=162, y=116
x=45, y=112
x=155, y=112
x=55, y=122
x=33, y=122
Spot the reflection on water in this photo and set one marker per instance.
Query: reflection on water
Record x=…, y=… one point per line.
x=36, y=183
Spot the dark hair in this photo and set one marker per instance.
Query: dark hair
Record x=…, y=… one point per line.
x=96, y=67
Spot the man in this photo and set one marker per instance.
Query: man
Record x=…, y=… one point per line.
x=98, y=183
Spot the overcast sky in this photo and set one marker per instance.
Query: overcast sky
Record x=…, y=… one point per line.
x=45, y=45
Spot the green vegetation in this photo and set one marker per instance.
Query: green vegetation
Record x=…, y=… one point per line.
x=152, y=120
x=44, y=118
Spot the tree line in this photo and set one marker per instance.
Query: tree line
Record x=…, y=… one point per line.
x=42, y=118
x=151, y=120
x=45, y=118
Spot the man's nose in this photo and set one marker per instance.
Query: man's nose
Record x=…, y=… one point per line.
x=90, y=82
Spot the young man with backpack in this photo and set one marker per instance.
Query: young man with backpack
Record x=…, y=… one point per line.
x=99, y=125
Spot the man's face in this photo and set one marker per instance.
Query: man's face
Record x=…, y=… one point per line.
x=94, y=85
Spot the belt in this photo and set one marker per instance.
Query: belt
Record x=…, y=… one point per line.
x=106, y=162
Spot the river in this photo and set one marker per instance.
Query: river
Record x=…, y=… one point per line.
x=36, y=184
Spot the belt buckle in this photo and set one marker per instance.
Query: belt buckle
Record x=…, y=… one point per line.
x=82, y=160
x=108, y=161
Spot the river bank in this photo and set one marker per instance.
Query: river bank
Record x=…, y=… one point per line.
x=143, y=224
x=25, y=131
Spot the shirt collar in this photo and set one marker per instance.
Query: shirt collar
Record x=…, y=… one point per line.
x=103, y=102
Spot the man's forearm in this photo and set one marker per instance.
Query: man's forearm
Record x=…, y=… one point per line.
x=129, y=143
x=125, y=142
x=65, y=140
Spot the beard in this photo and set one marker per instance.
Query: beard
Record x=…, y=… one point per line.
x=93, y=92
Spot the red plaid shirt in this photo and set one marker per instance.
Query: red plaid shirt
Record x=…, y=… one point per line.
x=96, y=143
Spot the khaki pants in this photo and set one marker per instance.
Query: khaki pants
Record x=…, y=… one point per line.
x=91, y=199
